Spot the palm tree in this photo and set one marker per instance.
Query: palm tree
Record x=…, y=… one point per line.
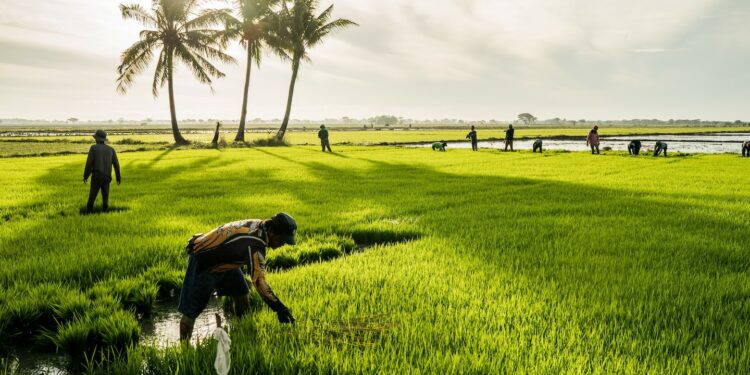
x=297, y=29
x=177, y=29
x=250, y=28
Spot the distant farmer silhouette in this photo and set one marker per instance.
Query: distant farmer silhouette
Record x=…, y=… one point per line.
x=659, y=147
x=634, y=147
x=537, y=145
x=215, y=263
x=99, y=165
x=473, y=136
x=746, y=149
x=323, y=135
x=593, y=140
x=509, y=137
x=439, y=146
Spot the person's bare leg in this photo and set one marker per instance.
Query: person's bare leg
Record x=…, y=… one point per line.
x=241, y=305
x=186, y=328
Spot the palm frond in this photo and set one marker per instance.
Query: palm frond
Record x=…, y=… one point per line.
x=160, y=73
x=134, y=61
x=138, y=13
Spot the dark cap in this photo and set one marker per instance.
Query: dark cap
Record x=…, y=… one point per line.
x=100, y=135
x=322, y=126
x=284, y=225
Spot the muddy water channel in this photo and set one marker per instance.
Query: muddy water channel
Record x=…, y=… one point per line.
x=716, y=143
x=161, y=329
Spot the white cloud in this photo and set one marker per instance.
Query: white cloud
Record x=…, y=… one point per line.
x=422, y=58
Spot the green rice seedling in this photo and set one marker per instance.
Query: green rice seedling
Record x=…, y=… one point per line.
x=117, y=330
x=75, y=337
x=280, y=261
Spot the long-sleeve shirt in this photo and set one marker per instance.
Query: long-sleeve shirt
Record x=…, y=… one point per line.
x=101, y=159
x=509, y=134
x=232, y=245
x=472, y=135
x=593, y=138
x=323, y=134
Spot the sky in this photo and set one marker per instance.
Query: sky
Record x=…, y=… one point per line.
x=420, y=59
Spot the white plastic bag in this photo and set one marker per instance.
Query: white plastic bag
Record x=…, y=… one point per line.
x=223, y=358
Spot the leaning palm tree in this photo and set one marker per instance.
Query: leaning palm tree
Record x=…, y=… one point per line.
x=297, y=29
x=177, y=29
x=250, y=28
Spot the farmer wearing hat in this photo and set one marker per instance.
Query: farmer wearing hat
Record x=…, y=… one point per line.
x=215, y=263
x=99, y=165
x=323, y=135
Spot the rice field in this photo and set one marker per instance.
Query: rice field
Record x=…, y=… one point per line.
x=409, y=261
x=161, y=139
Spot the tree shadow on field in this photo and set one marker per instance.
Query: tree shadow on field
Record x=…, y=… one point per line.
x=577, y=238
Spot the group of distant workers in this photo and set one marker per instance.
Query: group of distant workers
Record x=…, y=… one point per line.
x=592, y=141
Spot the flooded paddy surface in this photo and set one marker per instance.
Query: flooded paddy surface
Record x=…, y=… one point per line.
x=718, y=143
x=161, y=329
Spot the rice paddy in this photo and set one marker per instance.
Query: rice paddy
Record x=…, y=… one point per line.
x=409, y=261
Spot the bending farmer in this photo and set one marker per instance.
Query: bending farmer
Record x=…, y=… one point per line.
x=215, y=263
x=746, y=148
x=440, y=146
x=473, y=136
x=537, y=145
x=634, y=147
x=593, y=140
x=323, y=135
x=659, y=147
x=99, y=165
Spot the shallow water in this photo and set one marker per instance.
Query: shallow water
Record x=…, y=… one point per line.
x=162, y=328
x=689, y=144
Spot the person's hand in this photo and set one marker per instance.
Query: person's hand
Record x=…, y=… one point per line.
x=85, y=180
x=285, y=316
x=118, y=181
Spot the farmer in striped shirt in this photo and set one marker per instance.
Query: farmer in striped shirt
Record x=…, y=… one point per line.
x=215, y=263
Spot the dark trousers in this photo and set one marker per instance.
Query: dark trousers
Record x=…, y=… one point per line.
x=508, y=142
x=98, y=183
x=634, y=150
x=474, y=146
x=537, y=147
x=594, y=149
x=325, y=144
x=746, y=151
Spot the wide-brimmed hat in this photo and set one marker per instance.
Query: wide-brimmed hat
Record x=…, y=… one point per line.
x=100, y=135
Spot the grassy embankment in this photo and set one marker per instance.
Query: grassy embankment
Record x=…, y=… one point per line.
x=483, y=262
x=161, y=140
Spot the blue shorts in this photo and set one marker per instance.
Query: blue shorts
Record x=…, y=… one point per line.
x=198, y=287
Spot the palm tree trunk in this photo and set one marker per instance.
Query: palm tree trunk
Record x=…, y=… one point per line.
x=178, y=139
x=285, y=123
x=241, y=131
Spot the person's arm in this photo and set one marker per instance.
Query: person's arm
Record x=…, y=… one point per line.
x=116, y=164
x=257, y=274
x=89, y=165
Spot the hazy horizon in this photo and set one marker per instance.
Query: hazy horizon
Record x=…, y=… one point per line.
x=463, y=59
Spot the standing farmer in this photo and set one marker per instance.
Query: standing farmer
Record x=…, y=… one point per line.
x=473, y=136
x=593, y=140
x=215, y=263
x=323, y=135
x=509, y=138
x=99, y=165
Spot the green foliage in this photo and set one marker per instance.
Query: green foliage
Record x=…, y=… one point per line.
x=478, y=262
